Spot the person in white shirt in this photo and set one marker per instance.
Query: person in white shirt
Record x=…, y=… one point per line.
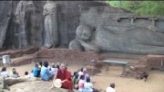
x=53, y=70
x=4, y=73
x=111, y=88
x=80, y=73
x=27, y=75
x=88, y=86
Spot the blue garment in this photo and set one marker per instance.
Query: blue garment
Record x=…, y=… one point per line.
x=45, y=74
x=35, y=71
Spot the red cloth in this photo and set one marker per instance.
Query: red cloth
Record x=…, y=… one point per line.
x=65, y=75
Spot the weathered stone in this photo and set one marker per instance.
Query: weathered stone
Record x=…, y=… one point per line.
x=5, y=12
x=20, y=52
x=155, y=61
x=138, y=41
x=65, y=56
x=50, y=24
x=24, y=26
x=22, y=60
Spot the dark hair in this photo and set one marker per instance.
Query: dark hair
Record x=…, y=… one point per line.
x=75, y=73
x=26, y=73
x=45, y=64
x=81, y=69
x=3, y=69
x=14, y=72
x=82, y=77
x=112, y=85
x=53, y=66
x=88, y=80
x=58, y=66
x=40, y=63
x=13, y=69
x=36, y=65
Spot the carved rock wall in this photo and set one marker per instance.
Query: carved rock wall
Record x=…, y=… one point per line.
x=70, y=15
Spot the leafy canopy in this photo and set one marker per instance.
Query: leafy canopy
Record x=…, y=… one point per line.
x=141, y=7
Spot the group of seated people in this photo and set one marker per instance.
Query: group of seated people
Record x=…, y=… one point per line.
x=5, y=74
x=44, y=71
x=80, y=80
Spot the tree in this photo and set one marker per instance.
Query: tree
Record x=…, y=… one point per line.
x=141, y=7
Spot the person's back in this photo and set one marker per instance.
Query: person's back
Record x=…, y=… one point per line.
x=4, y=73
x=81, y=84
x=45, y=73
x=27, y=75
x=54, y=70
x=36, y=71
x=88, y=86
x=15, y=74
x=111, y=88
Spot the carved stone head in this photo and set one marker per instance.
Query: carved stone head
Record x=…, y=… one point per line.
x=83, y=32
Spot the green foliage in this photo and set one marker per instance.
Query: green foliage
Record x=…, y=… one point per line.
x=141, y=7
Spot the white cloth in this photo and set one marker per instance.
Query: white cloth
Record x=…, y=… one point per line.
x=4, y=74
x=88, y=87
x=27, y=76
x=54, y=71
x=80, y=73
x=110, y=89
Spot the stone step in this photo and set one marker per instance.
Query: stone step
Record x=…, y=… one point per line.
x=26, y=59
x=19, y=52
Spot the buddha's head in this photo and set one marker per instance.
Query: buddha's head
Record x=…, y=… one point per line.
x=83, y=32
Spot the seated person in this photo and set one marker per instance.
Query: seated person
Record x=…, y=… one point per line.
x=88, y=86
x=53, y=70
x=45, y=72
x=111, y=88
x=75, y=80
x=81, y=84
x=145, y=76
x=80, y=73
x=4, y=72
x=85, y=73
x=36, y=71
x=14, y=73
x=27, y=75
x=65, y=77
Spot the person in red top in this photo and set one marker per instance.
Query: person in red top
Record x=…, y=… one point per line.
x=65, y=77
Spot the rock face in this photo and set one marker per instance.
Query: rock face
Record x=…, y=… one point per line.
x=66, y=56
x=6, y=12
x=23, y=25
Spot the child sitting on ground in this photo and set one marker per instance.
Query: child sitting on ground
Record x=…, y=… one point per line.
x=27, y=75
x=15, y=74
x=81, y=84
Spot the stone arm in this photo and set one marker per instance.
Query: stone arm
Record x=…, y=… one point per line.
x=75, y=45
x=89, y=46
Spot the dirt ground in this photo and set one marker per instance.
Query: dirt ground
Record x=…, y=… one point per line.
x=155, y=81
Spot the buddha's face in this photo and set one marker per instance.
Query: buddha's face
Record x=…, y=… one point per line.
x=83, y=33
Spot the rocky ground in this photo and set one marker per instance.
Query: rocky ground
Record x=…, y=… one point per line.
x=101, y=81
x=76, y=60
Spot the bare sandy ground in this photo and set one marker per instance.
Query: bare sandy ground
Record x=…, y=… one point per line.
x=155, y=81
